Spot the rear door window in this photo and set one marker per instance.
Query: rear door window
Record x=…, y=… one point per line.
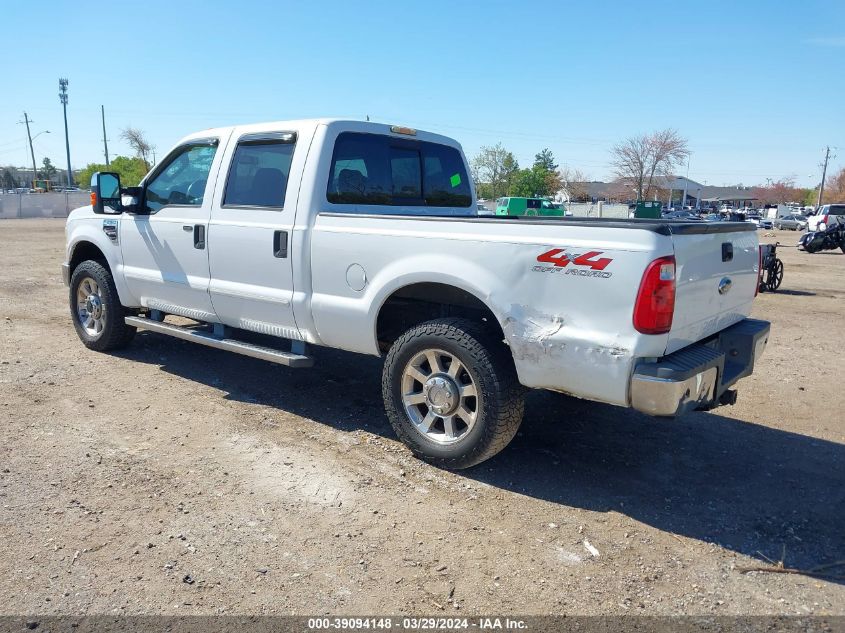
x=837, y=209
x=376, y=169
x=258, y=176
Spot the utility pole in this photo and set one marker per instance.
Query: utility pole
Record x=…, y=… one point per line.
x=824, y=173
x=63, y=99
x=31, y=151
x=105, y=141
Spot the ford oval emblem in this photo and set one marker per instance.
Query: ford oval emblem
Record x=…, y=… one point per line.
x=725, y=285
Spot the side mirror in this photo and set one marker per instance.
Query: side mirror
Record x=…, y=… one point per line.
x=130, y=199
x=105, y=192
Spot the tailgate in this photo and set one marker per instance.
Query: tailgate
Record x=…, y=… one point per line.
x=716, y=278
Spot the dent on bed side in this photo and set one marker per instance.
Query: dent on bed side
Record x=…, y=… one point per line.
x=531, y=334
x=535, y=336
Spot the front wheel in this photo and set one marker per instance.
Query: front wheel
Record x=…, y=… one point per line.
x=95, y=308
x=451, y=392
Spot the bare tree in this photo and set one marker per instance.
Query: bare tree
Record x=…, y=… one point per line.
x=575, y=183
x=778, y=192
x=138, y=142
x=642, y=160
x=834, y=190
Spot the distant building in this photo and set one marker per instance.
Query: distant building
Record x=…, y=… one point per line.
x=677, y=191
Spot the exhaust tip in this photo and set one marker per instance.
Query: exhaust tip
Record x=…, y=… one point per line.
x=729, y=397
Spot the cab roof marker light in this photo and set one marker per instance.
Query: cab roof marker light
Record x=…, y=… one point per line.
x=398, y=129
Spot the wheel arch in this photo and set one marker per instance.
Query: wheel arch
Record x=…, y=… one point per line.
x=88, y=246
x=418, y=301
x=84, y=250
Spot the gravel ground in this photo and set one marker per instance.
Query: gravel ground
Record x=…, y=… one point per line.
x=171, y=478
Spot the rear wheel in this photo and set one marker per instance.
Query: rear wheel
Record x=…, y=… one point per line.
x=95, y=307
x=775, y=276
x=451, y=392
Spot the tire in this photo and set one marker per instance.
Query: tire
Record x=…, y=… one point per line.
x=775, y=278
x=95, y=308
x=481, y=424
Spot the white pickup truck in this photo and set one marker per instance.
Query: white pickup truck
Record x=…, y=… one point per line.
x=265, y=239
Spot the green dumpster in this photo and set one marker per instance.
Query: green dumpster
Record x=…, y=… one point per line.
x=648, y=209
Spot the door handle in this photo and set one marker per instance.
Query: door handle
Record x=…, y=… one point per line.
x=199, y=236
x=280, y=244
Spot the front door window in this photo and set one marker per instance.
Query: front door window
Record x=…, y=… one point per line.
x=183, y=180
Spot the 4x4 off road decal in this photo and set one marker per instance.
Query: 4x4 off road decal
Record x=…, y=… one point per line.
x=587, y=264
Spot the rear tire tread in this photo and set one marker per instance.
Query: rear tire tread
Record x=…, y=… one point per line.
x=499, y=387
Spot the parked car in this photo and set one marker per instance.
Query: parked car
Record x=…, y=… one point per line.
x=793, y=222
x=824, y=216
x=482, y=210
x=364, y=237
x=681, y=215
x=758, y=220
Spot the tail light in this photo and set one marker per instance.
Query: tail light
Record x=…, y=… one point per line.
x=826, y=220
x=655, y=304
x=759, y=269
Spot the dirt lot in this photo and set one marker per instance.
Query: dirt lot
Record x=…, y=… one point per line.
x=172, y=478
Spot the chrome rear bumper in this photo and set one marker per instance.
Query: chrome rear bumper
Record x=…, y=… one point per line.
x=700, y=375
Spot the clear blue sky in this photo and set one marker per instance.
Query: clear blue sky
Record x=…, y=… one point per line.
x=756, y=86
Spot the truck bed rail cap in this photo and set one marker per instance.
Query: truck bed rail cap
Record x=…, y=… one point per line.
x=664, y=227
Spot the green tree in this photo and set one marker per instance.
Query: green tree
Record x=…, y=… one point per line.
x=545, y=159
x=48, y=170
x=130, y=170
x=494, y=166
x=530, y=182
x=8, y=180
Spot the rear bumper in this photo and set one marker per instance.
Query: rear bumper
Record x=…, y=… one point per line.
x=700, y=375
